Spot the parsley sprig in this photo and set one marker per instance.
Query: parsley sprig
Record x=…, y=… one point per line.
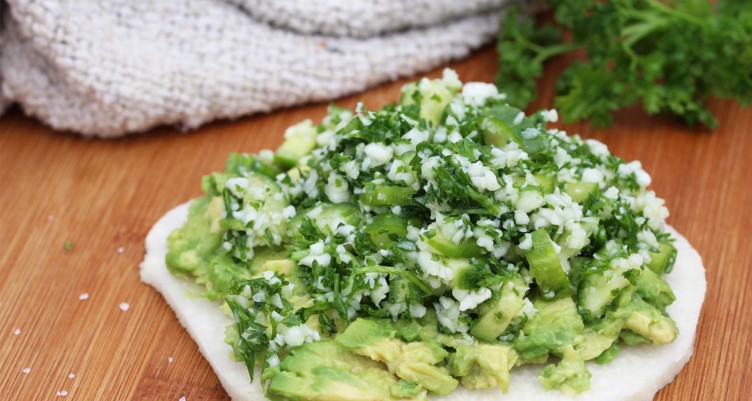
x=669, y=56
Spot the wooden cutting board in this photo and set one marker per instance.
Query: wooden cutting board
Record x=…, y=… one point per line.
x=103, y=196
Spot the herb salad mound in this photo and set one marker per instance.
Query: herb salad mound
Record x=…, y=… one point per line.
x=435, y=243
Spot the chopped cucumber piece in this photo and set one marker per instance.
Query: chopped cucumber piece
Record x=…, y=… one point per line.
x=663, y=260
x=580, y=191
x=300, y=140
x=386, y=228
x=433, y=97
x=328, y=216
x=449, y=248
x=545, y=265
x=386, y=195
x=496, y=314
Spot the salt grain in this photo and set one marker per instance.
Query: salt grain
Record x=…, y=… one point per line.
x=83, y=296
x=72, y=376
x=26, y=371
x=169, y=359
x=62, y=393
x=124, y=306
x=121, y=249
x=16, y=332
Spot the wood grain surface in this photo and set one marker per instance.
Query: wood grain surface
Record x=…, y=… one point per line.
x=103, y=196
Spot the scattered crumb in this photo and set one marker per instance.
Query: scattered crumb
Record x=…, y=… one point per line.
x=26, y=371
x=121, y=249
x=83, y=296
x=68, y=246
x=72, y=376
x=169, y=359
x=62, y=393
x=16, y=332
x=124, y=306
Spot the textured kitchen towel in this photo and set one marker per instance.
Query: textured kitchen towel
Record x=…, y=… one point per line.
x=107, y=68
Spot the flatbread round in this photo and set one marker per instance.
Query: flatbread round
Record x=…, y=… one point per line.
x=637, y=373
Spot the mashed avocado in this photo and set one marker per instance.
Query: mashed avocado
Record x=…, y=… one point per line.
x=435, y=243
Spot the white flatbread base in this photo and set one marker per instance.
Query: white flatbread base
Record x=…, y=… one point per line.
x=635, y=375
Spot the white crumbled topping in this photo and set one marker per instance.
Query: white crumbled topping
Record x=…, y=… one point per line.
x=635, y=167
x=482, y=177
x=450, y=79
x=653, y=208
x=471, y=299
x=529, y=201
x=527, y=242
x=518, y=118
x=379, y=154
x=273, y=360
x=337, y=189
x=477, y=93
x=379, y=291
x=237, y=185
x=598, y=148
x=448, y=313
x=612, y=193
x=647, y=237
x=592, y=175
x=316, y=254
x=296, y=336
x=527, y=310
x=289, y=212
x=578, y=237
x=454, y=137
x=124, y=306
x=417, y=310
x=432, y=266
x=551, y=115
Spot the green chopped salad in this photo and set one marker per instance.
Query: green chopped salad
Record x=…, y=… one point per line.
x=438, y=242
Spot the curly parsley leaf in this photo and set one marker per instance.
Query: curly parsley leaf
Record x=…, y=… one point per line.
x=669, y=56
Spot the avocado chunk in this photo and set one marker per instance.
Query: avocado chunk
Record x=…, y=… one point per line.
x=654, y=289
x=570, y=375
x=555, y=326
x=300, y=140
x=415, y=362
x=598, y=337
x=325, y=371
x=648, y=321
x=496, y=314
x=545, y=265
x=192, y=245
x=483, y=366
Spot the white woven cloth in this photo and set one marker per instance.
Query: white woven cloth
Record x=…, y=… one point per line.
x=107, y=68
